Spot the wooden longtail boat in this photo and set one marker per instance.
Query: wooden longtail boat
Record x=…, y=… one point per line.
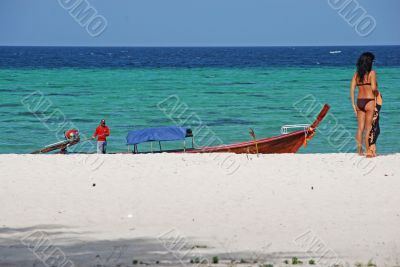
x=284, y=143
x=62, y=146
x=71, y=138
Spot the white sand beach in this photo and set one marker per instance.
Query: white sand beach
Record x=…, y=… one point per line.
x=166, y=209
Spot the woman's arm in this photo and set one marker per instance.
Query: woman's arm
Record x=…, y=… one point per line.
x=352, y=91
x=373, y=82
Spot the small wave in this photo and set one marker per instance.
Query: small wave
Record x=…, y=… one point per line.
x=10, y=105
x=28, y=113
x=228, y=121
x=256, y=95
x=214, y=93
x=335, y=52
x=229, y=83
x=83, y=120
x=64, y=94
x=14, y=90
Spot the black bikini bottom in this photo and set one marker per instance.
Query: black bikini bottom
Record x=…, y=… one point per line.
x=362, y=102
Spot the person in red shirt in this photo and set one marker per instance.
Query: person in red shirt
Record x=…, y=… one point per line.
x=102, y=131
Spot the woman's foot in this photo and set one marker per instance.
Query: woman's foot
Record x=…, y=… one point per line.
x=371, y=153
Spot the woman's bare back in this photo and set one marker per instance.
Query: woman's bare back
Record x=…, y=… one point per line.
x=365, y=89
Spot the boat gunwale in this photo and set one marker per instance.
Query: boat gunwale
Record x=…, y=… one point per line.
x=253, y=142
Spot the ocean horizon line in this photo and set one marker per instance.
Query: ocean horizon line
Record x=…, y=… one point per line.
x=199, y=46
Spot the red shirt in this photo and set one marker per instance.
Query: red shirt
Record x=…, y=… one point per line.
x=102, y=132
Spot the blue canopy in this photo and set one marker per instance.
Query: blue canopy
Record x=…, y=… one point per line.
x=170, y=133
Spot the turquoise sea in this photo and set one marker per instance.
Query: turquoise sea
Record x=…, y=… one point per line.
x=227, y=98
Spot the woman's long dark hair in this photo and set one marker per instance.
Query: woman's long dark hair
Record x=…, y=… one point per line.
x=364, y=65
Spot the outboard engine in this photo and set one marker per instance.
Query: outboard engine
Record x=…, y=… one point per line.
x=72, y=135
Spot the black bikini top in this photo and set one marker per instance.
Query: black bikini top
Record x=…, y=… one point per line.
x=362, y=84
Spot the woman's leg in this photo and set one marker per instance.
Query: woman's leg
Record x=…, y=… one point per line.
x=361, y=124
x=369, y=114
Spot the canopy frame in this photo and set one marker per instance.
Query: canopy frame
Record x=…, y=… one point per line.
x=160, y=134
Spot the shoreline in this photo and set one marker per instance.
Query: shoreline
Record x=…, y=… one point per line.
x=167, y=154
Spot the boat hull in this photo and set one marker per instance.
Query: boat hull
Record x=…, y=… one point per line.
x=288, y=143
x=285, y=143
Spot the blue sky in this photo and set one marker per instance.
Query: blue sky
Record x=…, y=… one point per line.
x=196, y=23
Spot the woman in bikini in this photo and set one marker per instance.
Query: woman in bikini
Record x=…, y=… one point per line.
x=365, y=79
